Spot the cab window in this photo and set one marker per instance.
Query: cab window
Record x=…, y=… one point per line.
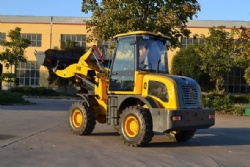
x=122, y=76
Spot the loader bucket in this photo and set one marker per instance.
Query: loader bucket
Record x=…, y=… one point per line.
x=52, y=58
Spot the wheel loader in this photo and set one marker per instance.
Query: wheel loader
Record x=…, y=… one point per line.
x=136, y=97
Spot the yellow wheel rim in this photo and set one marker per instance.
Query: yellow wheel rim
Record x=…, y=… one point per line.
x=77, y=118
x=131, y=126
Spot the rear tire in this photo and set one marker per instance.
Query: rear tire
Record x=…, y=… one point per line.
x=181, y=136
x=81, y=119
x=136, y=126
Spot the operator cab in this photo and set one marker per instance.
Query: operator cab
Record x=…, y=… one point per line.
x=137, y=52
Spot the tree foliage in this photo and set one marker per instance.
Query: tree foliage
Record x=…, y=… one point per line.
x=15, y=48
x=243, y=50
x=247, y=75
x=69, y=45
x=166, y=16
x=187, y=62
x=217, y=54
x=8, y=77
x=14, y=52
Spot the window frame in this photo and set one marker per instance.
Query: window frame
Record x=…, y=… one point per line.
x=28, y=73
x=35, y=39
x=80, y=39
x=2, y=37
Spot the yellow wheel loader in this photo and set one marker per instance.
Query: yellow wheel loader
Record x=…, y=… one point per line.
x=135, y=93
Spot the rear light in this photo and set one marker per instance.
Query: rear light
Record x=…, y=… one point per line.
x=211, y=116
x=176, y=118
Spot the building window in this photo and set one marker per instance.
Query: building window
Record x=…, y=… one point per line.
x=185, y=42
x=27, y=73
x=36, y=39
x=2, y=37
x=77, y=40
x=234, y=82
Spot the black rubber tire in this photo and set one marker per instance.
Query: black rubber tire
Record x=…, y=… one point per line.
x=144, y=120
x=182, y=136
x=86, y=124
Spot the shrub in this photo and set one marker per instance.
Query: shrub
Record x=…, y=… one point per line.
x=11, y=98
x=221, y=103
x=35, y=91
x=240, y=98
x=237, y=110
x=225, y=104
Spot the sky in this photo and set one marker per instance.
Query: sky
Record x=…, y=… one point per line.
x=230, y=10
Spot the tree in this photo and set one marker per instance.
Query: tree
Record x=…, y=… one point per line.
x=247, y=75
x=168, y=17
x=217, y=54
x=243, y=50
x=14, y=52
x=187, y=62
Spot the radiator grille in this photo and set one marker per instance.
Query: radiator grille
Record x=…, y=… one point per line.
x=190, y=95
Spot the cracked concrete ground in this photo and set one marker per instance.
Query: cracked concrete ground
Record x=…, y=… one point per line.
x=37, y=135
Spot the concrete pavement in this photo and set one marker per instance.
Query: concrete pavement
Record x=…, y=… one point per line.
x=38, y=135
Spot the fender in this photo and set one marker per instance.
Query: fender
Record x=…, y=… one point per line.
x=117, y=103
x=90, y=100
x=125, y=100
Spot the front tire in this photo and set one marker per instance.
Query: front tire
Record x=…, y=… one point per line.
x=136, y=126
x=81, y=119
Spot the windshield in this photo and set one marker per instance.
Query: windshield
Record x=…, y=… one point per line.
x=152, y=55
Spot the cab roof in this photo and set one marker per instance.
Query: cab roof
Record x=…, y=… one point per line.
x=141, y=33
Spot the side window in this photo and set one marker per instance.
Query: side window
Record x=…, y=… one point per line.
x=154, y=55
x=122, y=76
x=124, y=59
x=158, y=89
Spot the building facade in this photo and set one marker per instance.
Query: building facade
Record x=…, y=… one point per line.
x=50, y=32
x=44, y=33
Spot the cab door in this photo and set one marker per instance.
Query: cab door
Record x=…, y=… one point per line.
x=122, y=75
